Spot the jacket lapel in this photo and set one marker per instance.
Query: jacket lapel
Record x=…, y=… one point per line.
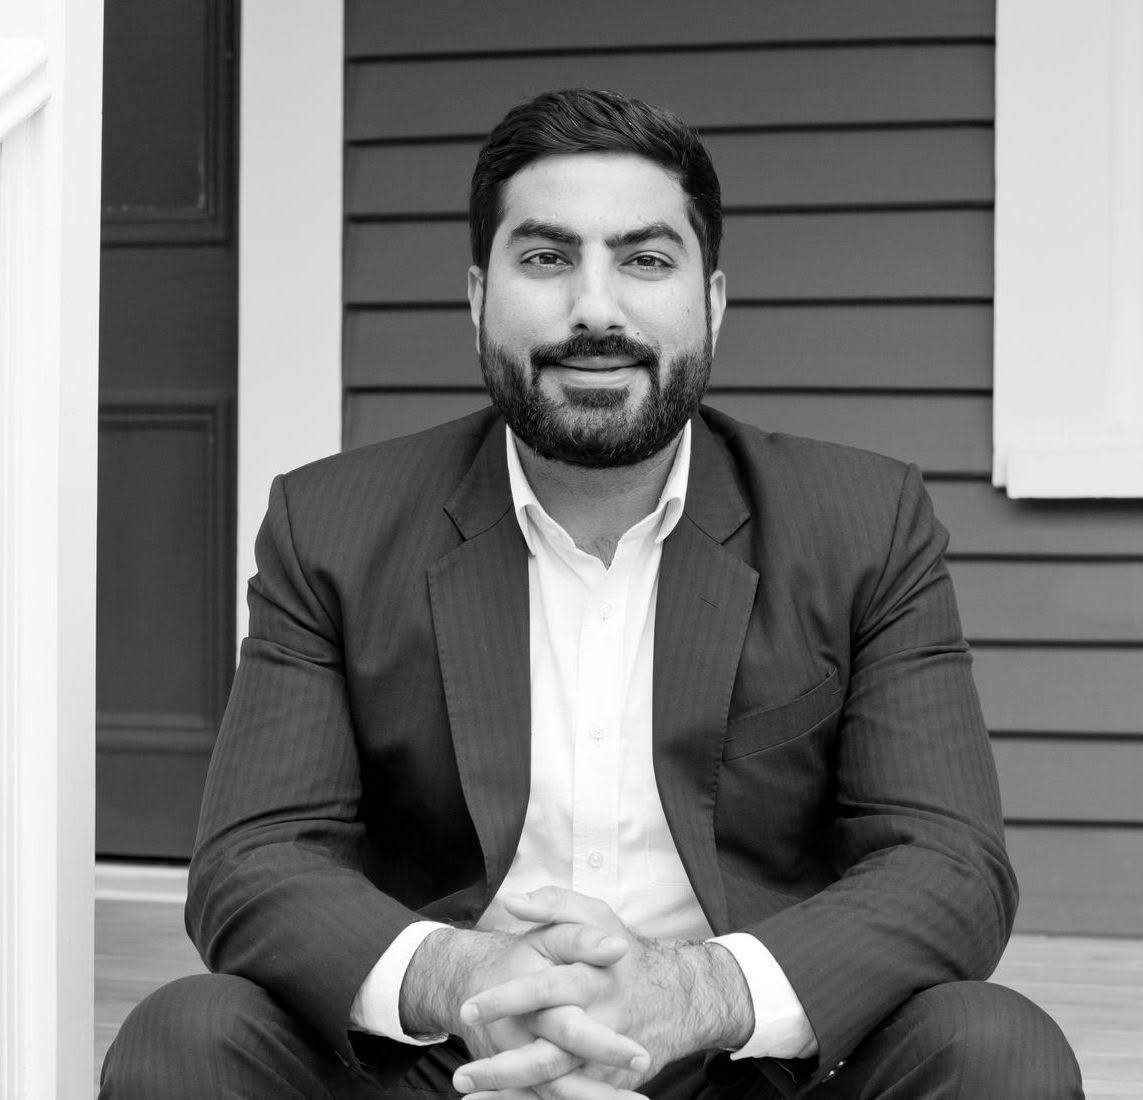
x=705, y=597
x=479, y=595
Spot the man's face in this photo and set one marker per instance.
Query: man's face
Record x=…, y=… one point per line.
x=595, y=322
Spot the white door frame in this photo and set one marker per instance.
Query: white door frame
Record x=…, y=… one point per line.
x=51, y=91
x=291, y=64
x=290, y=400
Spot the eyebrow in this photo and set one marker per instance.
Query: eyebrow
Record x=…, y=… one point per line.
x=652, y=232
x=531, y=228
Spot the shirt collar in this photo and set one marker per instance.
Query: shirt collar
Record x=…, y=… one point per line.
x=530, y=513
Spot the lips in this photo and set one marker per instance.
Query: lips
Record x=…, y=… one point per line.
x=599, y=362
x=599, y=355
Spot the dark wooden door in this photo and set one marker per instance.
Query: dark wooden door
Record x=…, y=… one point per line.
x=167, y=389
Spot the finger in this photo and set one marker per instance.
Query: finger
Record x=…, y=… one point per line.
x=570, y=943
x=520, y=1067
x=558, y=985
x=505, y=1094
x=553, y=904
x=573, y=1086
x=573, y=1030
x=581, y=1086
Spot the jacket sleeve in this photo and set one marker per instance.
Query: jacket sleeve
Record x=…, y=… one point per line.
x=925, y=892
x=277, y=893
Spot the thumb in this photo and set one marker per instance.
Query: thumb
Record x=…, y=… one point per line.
x=554, y=905
x=580, y=943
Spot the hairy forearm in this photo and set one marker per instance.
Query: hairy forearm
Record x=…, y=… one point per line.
x=441, y=975
x=706, y=996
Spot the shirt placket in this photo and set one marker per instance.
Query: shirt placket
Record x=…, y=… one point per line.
x=597, y=728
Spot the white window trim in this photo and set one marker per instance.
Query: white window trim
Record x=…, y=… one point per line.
x=289, y=250
x=50, y=99
x=1068, y=411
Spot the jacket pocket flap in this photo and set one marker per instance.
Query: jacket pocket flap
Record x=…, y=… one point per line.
x=774, y=725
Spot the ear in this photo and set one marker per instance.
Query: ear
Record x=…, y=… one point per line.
x=476, y=299
x=717, y=291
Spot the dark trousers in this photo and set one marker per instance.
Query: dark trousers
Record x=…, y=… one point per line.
x=216, y=1036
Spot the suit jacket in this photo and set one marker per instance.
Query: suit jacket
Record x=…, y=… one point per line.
x=818, y=744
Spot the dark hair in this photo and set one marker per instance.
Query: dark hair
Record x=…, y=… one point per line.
x=581, y=120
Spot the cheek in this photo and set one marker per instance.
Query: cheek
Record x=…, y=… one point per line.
x=673, y=321
x=520, y=309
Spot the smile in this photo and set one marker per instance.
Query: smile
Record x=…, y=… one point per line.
x=599, y=362
x=597, y=373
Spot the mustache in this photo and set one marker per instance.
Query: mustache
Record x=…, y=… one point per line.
x=584, y=346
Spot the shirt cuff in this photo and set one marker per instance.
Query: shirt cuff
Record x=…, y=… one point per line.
x=376, y=1008
x=781, y=1027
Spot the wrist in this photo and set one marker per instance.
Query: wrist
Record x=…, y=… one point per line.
x=720, y=987
x=441, y=975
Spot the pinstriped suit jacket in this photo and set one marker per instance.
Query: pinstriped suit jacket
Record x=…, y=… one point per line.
x=818, y=743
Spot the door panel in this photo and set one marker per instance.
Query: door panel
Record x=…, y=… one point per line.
x=168, y=381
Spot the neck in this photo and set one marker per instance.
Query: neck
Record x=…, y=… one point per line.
x=596, y=506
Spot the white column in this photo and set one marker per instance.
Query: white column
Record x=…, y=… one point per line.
x=289, y=250
x=50, y=96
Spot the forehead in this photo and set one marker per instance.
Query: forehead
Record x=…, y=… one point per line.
x=595, y=193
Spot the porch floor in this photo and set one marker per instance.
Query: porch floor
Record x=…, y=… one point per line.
x=1092, y=987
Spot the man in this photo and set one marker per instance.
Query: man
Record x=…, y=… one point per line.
x=621, y=748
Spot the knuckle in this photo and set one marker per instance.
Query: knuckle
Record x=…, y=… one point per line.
x=556, y=1090
x=587, y=937
x=560, y=1026
x=547, y=984
x=585, y=980
x=601, y=909
x=488, y=1078
x=555, y=1064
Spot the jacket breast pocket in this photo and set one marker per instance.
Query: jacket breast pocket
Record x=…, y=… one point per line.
x=767, y=727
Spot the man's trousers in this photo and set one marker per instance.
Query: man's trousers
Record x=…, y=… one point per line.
x=218, y=1036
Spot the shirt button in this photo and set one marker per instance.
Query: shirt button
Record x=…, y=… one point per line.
x=606, y=610
x=596, y=733
x=595, y=860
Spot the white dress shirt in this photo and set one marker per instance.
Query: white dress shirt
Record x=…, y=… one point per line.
x=594, y=821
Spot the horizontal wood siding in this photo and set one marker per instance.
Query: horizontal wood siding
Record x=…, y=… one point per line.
x=868, y=256
x=855, y=147
x=770, y=170
x=839, y=347
x=457, y=27
x=713, y=89
x=944, y=435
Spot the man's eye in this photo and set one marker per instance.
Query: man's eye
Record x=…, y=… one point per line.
x=545, y=259
x=649, y=261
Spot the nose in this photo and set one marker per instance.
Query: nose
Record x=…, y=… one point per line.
x=595, y=306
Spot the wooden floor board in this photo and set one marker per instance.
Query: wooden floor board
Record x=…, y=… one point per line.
x=1092, y=987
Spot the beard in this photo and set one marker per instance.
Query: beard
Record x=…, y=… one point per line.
x=596, y=427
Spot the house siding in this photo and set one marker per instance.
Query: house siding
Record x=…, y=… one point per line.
x=855, y=147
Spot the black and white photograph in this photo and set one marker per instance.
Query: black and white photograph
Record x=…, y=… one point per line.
x=571, y=551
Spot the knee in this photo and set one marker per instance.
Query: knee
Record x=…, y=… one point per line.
x=176, y=1042
x=993, y=1041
